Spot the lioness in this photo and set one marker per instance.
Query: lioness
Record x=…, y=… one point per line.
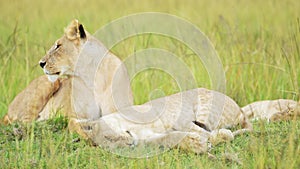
x=199, y=114
x=272, y=110
x=81, y=71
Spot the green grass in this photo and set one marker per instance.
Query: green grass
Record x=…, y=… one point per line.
x=258, y=44
x=50, y=145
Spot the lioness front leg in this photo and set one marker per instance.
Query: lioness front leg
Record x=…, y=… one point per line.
x=27, y=105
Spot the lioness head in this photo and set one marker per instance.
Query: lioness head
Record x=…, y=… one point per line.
x=62, y=56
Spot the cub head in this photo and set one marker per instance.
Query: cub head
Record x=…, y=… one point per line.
x=62, y=56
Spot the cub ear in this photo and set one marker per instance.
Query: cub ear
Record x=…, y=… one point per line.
x=75, y=30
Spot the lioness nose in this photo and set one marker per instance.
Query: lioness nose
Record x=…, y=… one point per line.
x=42, y=64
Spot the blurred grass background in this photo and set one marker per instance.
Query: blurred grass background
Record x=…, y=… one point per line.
x=257, y=41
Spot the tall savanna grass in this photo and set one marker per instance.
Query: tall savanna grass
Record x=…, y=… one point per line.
x=257, y=42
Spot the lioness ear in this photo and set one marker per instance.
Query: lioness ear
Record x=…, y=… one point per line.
x=75, y=31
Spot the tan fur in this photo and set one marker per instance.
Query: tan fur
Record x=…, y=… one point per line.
x=89, y=88
x=272, y=110
x=84, y=73
x=162, y=121
x=28, y=103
